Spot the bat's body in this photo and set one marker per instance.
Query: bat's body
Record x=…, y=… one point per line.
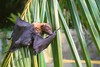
x=26, y=34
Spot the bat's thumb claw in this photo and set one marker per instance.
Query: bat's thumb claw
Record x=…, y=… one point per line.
x=57, y=30
x=17, y=42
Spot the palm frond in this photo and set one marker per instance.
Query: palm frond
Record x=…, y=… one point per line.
x=49, y=11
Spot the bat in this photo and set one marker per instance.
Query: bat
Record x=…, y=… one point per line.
x=26, y=34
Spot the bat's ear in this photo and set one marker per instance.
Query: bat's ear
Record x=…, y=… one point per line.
x=22, y=23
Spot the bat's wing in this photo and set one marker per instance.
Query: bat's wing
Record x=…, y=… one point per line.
x=21, y=34
x=26, y=37
x=42, y=43
x=19, y=27
x=22, y=23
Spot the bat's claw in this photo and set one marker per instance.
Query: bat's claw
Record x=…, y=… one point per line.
x=57, y=30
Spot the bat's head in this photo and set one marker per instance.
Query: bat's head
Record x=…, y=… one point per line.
x=42, y=28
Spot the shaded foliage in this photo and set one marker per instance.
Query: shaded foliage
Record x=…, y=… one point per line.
x=6, y=8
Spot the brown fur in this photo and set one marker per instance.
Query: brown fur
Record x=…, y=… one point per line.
x=42, y=28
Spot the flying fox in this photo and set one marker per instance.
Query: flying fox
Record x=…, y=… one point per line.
x=26, y=34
